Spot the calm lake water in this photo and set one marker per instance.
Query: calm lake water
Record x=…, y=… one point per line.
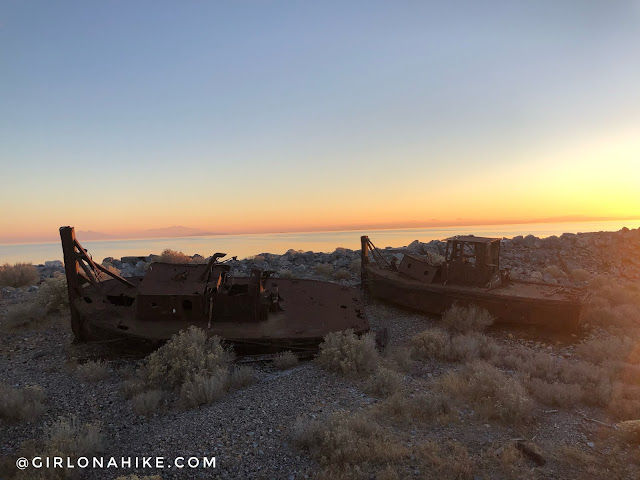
x=279, y=243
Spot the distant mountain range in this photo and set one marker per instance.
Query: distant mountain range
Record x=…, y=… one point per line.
x=174, y=231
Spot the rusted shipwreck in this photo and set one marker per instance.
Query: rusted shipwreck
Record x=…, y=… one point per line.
x=256, y=313
x=469, y=273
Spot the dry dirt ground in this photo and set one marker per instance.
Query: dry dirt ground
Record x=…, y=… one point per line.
x=251, y=431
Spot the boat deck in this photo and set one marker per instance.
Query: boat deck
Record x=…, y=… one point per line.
x=522, y=290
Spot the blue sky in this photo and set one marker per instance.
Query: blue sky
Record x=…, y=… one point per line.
x=195, y=113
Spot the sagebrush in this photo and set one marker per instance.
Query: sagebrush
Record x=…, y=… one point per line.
x=348, y=354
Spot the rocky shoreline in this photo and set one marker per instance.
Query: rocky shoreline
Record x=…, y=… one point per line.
x=568, y=259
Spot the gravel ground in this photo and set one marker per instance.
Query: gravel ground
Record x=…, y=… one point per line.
x=249, y=431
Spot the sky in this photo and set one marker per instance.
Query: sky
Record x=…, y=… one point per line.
x=273, y=116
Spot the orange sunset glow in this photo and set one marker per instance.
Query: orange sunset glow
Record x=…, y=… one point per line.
x=527, y=132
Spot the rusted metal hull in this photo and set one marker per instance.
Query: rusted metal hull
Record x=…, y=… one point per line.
x=256, y=313
x=310, y=310
x=547, y=306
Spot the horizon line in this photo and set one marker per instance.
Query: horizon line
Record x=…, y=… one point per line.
x=348, y=228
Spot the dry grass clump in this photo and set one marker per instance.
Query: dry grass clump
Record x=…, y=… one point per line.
x=146, y=403
x=93, y=371
x=51, y=298
x=599, y=313
x=286, y=274
x=172, y=256
x=23, y=315
x=448, y=460
x=135, y=383
x=615, y=291
x=404, y=409
x=467, y=318
x=256, y=259
x=557, y=394
x=355, y=266
x=492, y=393
x=21, y=404
x=67, y=436
x=614, y=304
x=511, y=461
x=285, y=360
x=431, y=343
x=630, y=430
x=383, y=383
x=554, y=271
x=439, y=344
x=574, y=455
x=579, y=275
x=347, y=439
x=557, y=381
x=53, y=294
x=624, y=401
x=240, y=377
x=398, y=359
x=348, y=354
x=203, y=389
x=18, y=275
x=599, y=350
x=325, y=269
x=472, y=345
x=342, y=274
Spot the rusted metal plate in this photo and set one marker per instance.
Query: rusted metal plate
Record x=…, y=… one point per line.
x=311, y=309
x=418, y=269
x=179, y=279
x=472, y=239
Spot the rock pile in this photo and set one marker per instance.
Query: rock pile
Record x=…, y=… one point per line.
x=570, y=259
